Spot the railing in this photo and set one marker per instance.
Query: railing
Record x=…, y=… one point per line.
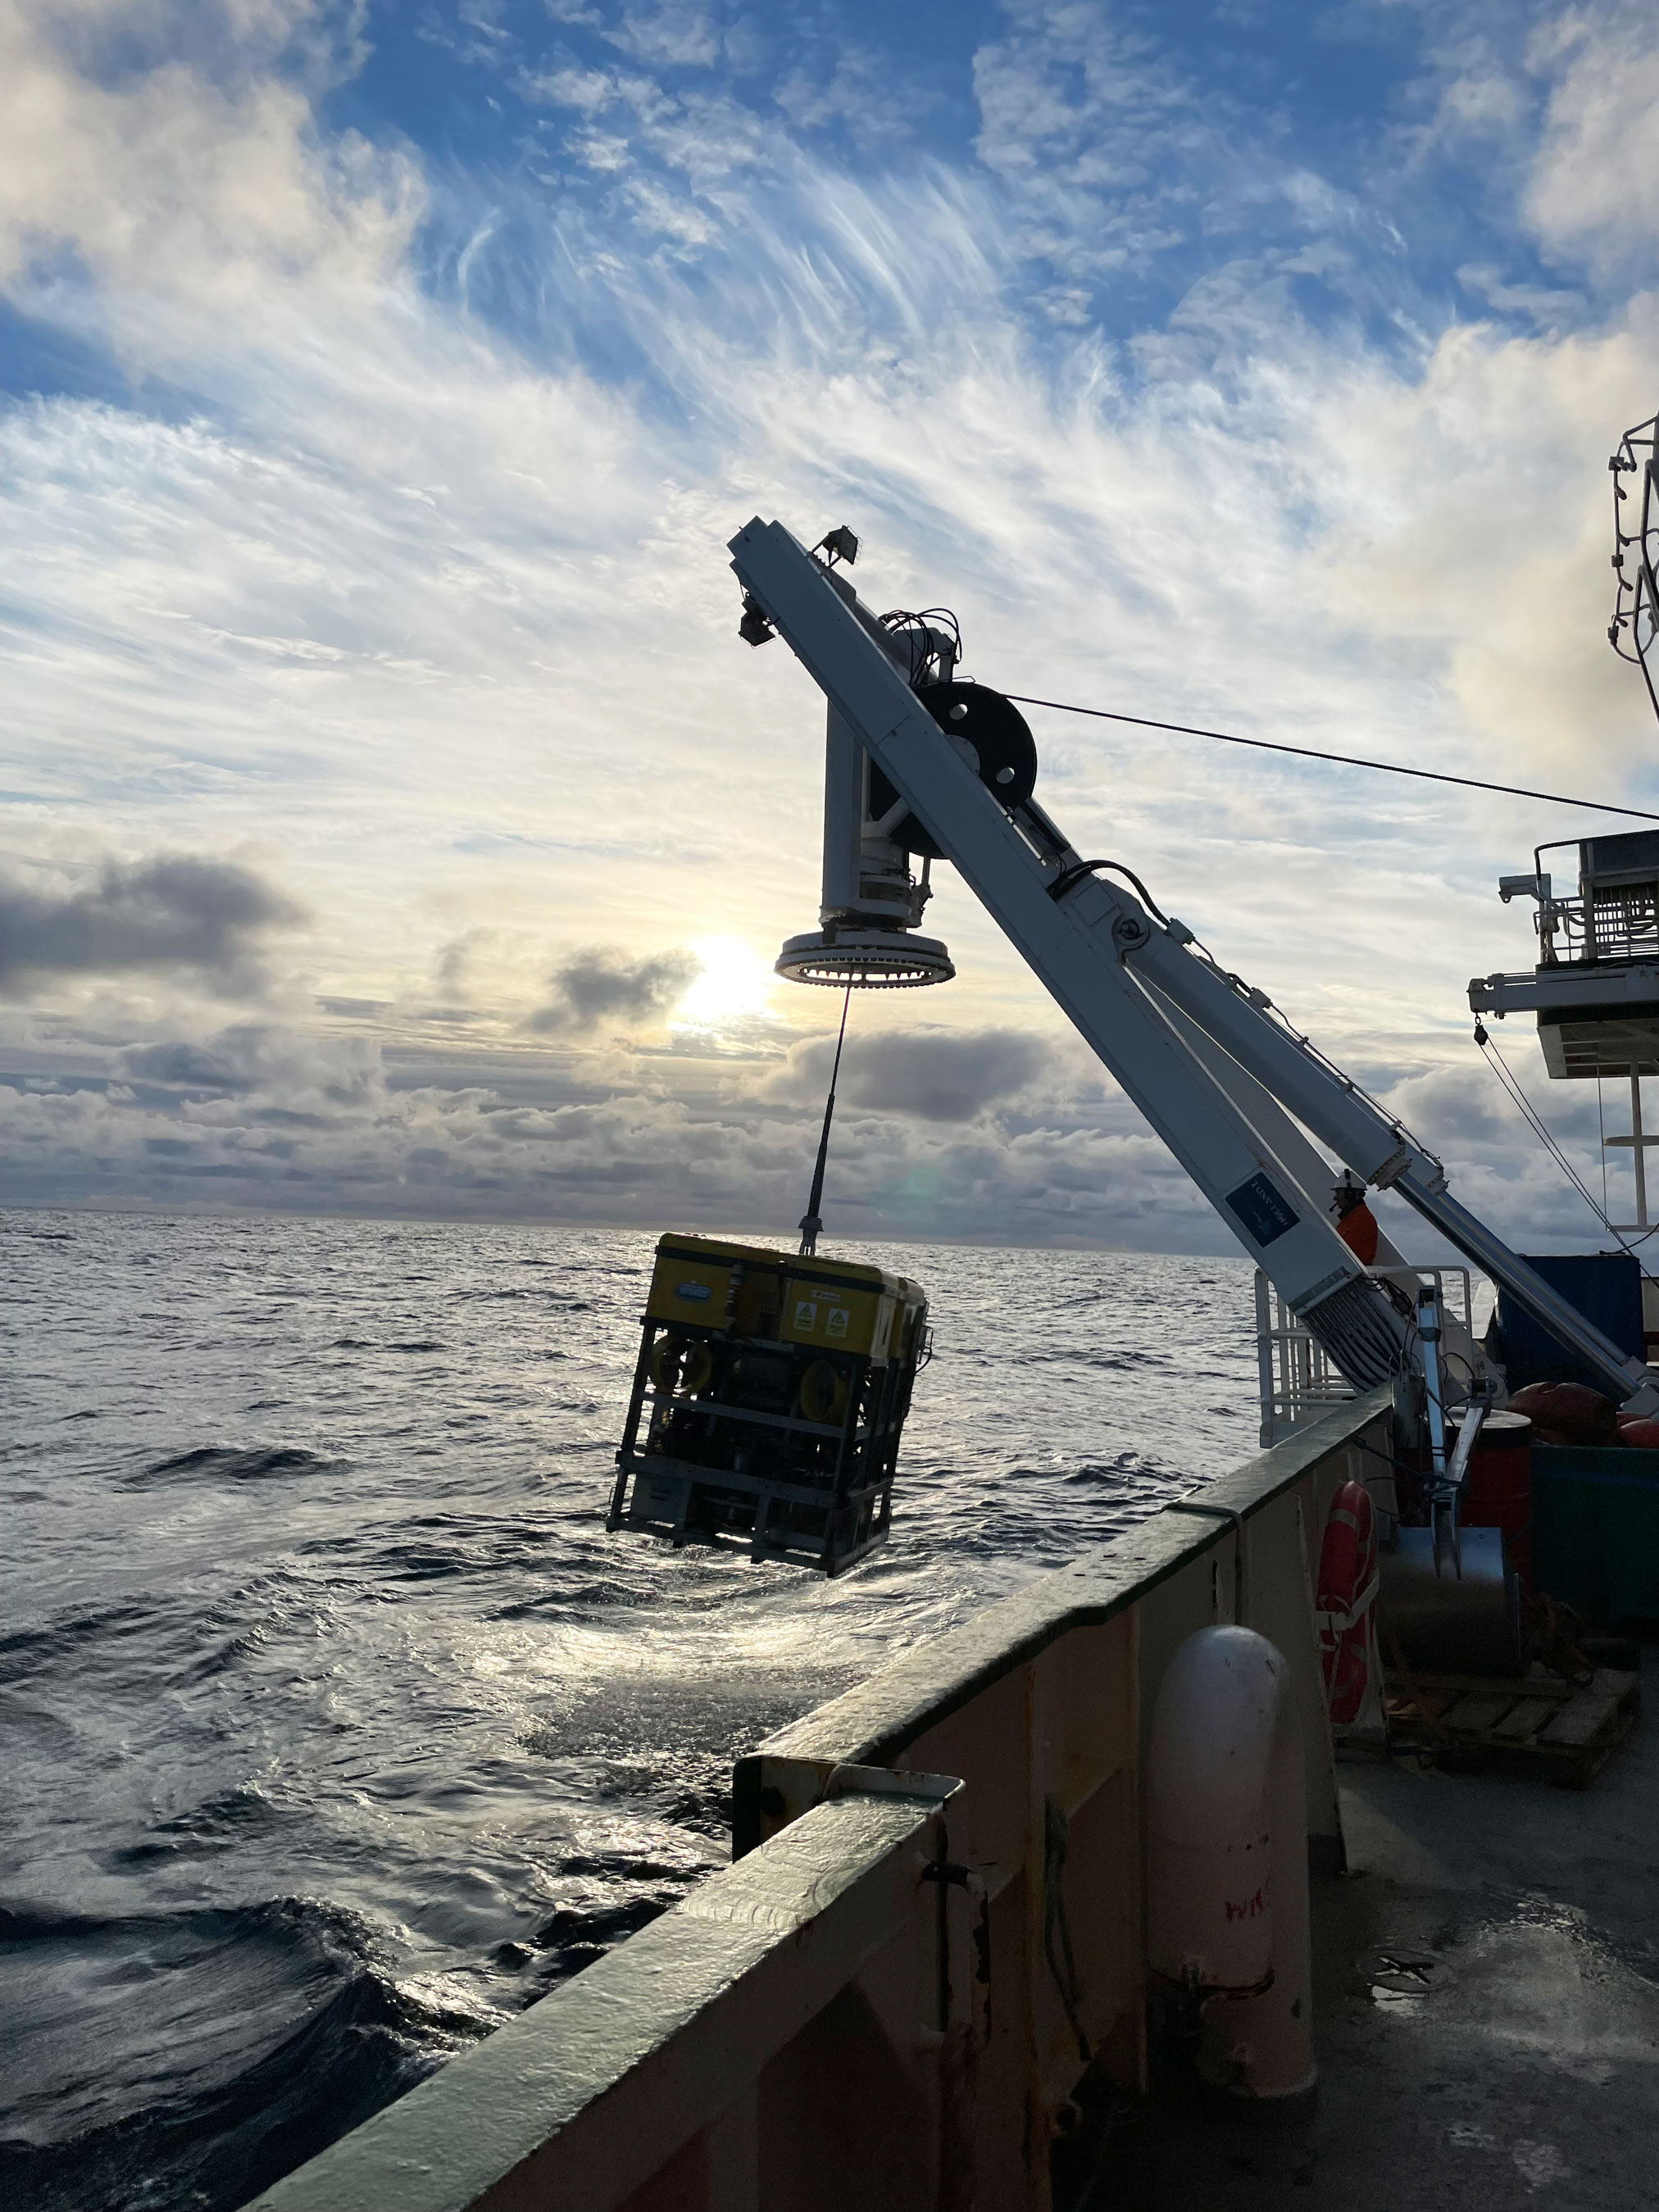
x=1614, y=924
x=932, y=1933
x=1296, y=1381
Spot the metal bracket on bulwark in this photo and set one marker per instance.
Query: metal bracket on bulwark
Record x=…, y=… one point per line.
x=769, y=1792
x=1235, y=1520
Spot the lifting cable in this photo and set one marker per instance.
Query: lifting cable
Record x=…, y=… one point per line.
x=811, y=1222
x=1510, y=1083
x=1342, y=760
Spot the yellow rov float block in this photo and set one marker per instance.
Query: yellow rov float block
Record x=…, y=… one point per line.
x=768, y=1399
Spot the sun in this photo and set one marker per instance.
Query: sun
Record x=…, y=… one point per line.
x=735, y=981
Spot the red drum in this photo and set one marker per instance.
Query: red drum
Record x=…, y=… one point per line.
x=1498, y=1487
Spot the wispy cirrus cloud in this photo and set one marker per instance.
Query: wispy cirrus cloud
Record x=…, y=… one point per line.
x=1592, y=195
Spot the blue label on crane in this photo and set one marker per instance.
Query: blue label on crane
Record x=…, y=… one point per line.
x=1264, y=1210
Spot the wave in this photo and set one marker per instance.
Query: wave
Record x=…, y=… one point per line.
x=44, y=1649
x=219, y=1463
x=216, y=1824
x=319, y=2037
x=572, y=1938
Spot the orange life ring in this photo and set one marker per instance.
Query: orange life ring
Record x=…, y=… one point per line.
x=1347, y=1587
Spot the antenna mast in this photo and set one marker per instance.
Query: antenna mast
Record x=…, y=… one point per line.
x=1635, y=624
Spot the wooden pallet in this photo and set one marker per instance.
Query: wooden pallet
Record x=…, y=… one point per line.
x=1571, y=1729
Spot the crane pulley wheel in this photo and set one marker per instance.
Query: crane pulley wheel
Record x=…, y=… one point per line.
x=1000, y=737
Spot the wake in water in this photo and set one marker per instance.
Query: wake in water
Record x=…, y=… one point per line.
x=336, y=1729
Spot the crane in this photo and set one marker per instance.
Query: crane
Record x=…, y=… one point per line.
x=919, y=763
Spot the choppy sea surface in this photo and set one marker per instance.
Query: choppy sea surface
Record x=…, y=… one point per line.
x=336, y=1729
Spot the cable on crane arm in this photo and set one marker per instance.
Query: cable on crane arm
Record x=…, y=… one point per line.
x=1342, y=759
x=1075, y=874
x=1064, y=881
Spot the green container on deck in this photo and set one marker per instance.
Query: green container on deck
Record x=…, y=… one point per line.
x=1595, y=1530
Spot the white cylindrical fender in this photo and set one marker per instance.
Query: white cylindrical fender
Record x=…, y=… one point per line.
x=1227, y=1861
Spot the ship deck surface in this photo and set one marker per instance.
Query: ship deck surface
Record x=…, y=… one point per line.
x=1488, y=2003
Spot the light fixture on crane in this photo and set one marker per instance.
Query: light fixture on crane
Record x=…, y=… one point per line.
x=871, y=907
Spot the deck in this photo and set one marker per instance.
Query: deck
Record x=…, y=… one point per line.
x=1487, y=2010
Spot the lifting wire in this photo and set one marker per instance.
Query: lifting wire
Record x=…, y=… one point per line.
x=1510, y=1083
x=1342, y=760
x=811, y=1221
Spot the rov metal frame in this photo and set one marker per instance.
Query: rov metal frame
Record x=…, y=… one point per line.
x=688, y=1480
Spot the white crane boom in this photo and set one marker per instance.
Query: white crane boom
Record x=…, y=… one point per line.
x=1220, y=1080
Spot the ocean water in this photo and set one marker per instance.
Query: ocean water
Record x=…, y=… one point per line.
x=336, y=1729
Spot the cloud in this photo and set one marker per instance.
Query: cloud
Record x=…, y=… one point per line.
x=605, y=985
x=672, y=35
x=937, y=1075
x=192, y=176
x=271, y=1117
x=182, y=1066
x=1594, y=191
x=202, y=920
x=1493, y=549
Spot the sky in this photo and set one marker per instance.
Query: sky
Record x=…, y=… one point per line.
x=394, y=822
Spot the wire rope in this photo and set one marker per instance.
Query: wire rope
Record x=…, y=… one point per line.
x=812, y=1221
x=1342, y=759
x=1512, y=1086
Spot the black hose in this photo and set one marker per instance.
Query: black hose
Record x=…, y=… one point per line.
x=1064, y=881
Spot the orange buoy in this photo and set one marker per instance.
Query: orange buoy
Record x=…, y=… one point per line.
x=1347, y=1586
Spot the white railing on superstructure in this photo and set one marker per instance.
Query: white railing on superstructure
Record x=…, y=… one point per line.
x=1297, y=1379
